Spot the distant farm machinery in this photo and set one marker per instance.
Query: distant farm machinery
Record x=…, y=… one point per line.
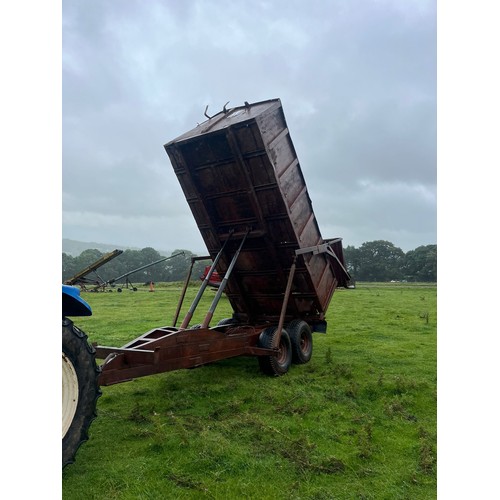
x=113, y=282
x=83, y=280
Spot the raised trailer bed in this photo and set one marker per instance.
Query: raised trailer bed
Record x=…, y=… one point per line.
x=243, y=182
x=239, y=171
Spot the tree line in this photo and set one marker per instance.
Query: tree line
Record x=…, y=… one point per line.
x=382, y=261
x=372, y=261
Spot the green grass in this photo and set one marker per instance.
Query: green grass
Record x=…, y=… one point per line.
x=358, y=421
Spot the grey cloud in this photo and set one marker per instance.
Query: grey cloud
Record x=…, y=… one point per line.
x=357, y=80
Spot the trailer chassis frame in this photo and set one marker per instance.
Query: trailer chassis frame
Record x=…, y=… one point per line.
x=172, y=348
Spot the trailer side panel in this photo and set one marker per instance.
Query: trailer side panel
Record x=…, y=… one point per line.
x=239, y=170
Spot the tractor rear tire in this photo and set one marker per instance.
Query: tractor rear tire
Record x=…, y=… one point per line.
x=80, y=389
x=275, y=365
x=301, y=339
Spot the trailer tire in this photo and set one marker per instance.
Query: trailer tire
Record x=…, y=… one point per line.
x=275, y=365
x=80, y=389
x=301, y=339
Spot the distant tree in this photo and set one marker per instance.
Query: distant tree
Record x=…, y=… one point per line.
x=87, y=258
x=178, y=267
x=114, y=268
x=68, y=266
x=379, y=261
x=131, y=260
x=147, y=256
x=142, y=266
x=199, y=268
x=170, y=269
x=421, y=264
x=351, y=258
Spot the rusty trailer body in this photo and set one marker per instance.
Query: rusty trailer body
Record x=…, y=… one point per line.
x=239, y=170
x=243, y=182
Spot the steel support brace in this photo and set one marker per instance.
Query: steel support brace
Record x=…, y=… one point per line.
x=197, y=299
x=315, y=250
x=323, y=248
x=223, y=284
x=186, y=283
x=287, y=296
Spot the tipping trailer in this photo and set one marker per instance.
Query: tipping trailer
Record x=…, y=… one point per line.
x=242, y=180
x=240, y=173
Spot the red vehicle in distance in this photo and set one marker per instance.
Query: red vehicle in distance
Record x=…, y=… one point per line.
x=215, y=280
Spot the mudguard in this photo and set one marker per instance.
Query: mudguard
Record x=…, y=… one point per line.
x=73, y=304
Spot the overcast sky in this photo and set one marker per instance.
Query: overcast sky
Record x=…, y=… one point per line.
x=357, y=80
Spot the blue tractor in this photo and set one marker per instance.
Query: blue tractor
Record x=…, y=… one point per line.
x=80, y=373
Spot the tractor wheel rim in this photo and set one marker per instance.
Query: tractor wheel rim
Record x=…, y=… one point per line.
x=69, y=393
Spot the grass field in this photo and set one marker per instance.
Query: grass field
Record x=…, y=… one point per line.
x=358, y=421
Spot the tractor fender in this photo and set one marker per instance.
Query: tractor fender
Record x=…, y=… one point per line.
x=72, y=303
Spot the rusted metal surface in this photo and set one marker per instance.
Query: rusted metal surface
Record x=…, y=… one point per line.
x=239, y=170
x=243, y=182
x=167, y=349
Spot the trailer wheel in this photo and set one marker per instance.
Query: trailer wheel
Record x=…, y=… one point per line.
x=80, y=389
x=275, y=365
x=301, y=339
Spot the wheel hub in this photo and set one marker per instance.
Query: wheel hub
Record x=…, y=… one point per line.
x=69, y=393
